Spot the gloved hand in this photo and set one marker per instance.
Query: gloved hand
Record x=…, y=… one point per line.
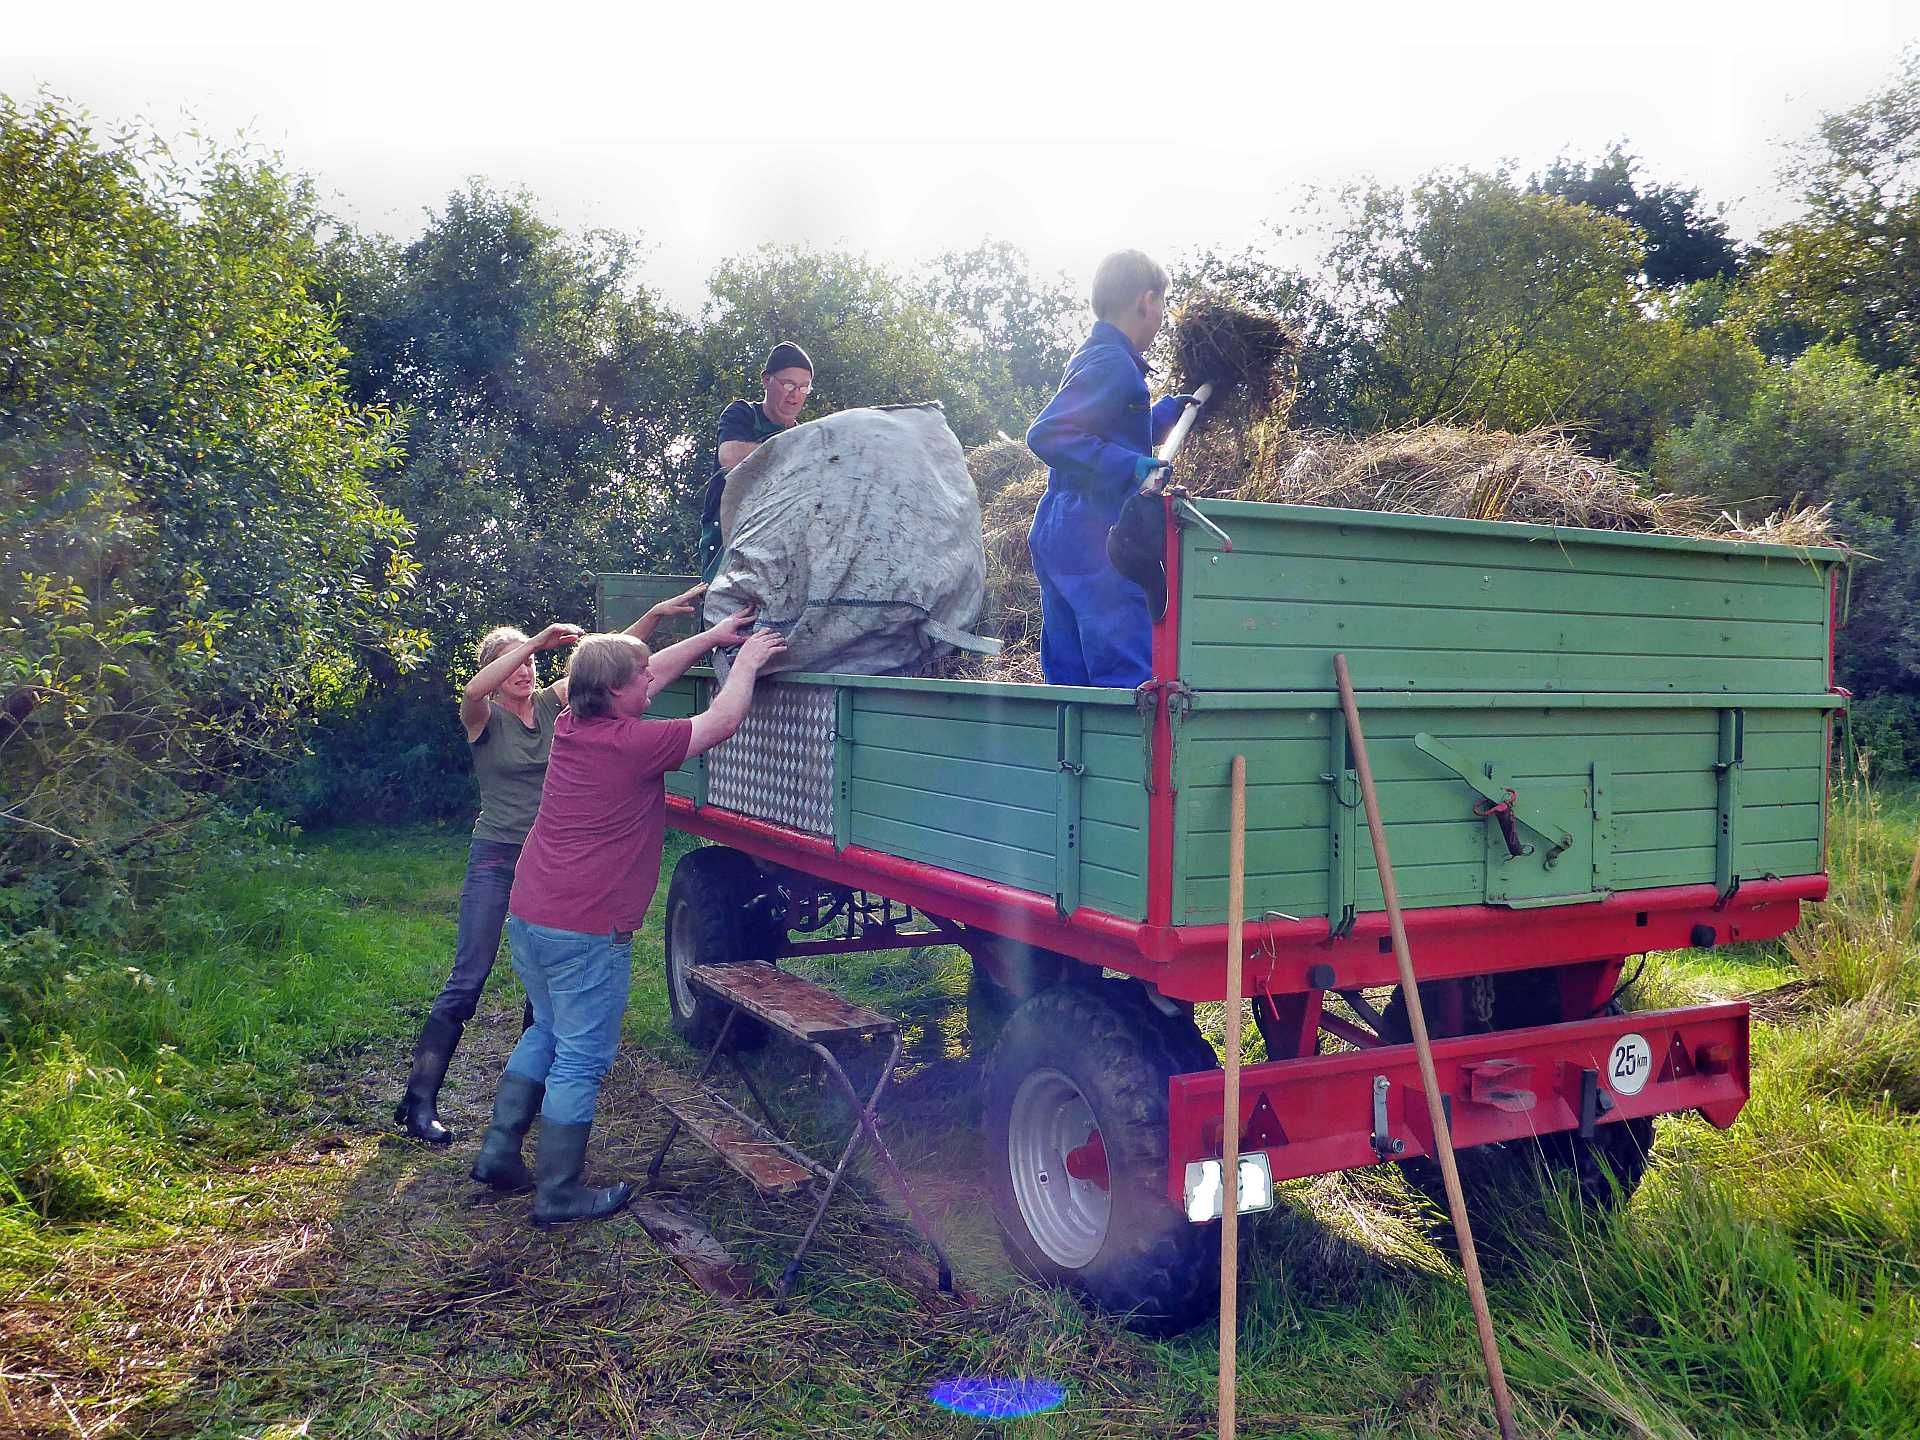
x=1147, y=468
x=1186, y=399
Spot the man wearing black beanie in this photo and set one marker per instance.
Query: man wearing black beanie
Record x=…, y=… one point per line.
x=787, y=379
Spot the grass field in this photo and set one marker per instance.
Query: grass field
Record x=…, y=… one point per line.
x=209, y=1229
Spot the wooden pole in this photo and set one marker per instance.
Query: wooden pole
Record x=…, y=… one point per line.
x=1423, y=1049
x=1230, y=1128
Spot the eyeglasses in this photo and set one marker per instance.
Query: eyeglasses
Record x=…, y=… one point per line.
x=793, y=387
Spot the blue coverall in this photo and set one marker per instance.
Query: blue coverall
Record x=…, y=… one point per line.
x=1094, y=625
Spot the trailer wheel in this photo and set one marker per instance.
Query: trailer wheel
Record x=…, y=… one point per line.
x=1003, y=976
x=711, y=921
x=1605, y=1169
x=1076, y=1139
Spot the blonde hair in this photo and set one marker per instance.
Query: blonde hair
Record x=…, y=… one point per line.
x=599, y=665
x=1123, y=277
x=495, y=643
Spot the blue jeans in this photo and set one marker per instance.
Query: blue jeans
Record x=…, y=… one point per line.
x=483, y=910
x=578, y=987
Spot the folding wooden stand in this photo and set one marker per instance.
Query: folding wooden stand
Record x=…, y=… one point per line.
x=808, y=1016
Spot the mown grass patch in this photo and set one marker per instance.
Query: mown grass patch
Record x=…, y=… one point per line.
x=243, y=1250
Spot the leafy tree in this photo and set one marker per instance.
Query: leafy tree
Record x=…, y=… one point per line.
x=1028, y=326
x=1470, y=299
x=1829, y=427
x=1682, y=242
x=191, y=532
x=875, y=339
x=1848, y=268
x=548, y=398
x=551, y=406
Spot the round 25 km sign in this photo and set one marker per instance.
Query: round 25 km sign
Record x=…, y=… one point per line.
x=1629, y=1064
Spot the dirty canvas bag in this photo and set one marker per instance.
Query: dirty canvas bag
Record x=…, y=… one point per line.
x=858, y=537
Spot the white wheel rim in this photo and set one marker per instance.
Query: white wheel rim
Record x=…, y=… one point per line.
x=1067, y=1217
x=681, y=959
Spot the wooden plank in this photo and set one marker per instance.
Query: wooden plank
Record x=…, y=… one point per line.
x=970, y=855
x=1259, y=619
x=622, y=599
x=1475, y=540
x=1230, y=663
x=1303, y=577
x=741, y=1142
x=787, y=1003
x=704, y=1259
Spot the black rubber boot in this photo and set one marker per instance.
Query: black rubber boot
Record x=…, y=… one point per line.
x=417, y=1113
x=498, y=1164
x=558, y=1194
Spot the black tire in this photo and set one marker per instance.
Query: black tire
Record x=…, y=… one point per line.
x=712, y=920
x=1605, y=1170
x=1005, y=974
x=1124, y=1247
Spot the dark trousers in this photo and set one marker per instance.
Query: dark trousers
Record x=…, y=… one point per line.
x=483, y=914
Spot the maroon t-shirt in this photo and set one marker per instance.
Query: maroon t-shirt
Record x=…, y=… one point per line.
x=592, y=859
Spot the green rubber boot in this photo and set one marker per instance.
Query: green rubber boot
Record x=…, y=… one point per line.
x=498, y=1164
x=558, y=1195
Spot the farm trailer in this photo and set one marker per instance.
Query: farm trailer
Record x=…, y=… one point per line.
x=1588, y=746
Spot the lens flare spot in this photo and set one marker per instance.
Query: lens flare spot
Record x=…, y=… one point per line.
x=991, y=1399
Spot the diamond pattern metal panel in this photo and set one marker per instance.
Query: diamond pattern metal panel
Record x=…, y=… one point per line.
x=779, y=764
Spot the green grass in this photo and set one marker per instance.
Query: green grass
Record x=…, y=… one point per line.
x=209, y=1232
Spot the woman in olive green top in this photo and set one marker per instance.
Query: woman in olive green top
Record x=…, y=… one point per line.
x=509, y=724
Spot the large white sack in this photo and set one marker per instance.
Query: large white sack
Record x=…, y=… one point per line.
x=858, y=537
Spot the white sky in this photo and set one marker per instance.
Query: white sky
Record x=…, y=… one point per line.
x=901, y=130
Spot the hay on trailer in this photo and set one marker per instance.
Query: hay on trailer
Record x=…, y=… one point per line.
x=1244, y=449
x=999, y=461
x=1250, y=357
x=1540, y=477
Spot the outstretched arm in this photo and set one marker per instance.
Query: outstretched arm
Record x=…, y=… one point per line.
x=492, y=675
x=670, y=664
x=669, y=609
x=729, y=708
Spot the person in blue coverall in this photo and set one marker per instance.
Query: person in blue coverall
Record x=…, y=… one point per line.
x=1097, y=437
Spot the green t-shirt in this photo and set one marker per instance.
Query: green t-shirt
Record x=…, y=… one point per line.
x=510, y=762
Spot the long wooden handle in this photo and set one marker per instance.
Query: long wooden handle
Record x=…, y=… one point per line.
x=1230, y=1128
x=1423, y=1049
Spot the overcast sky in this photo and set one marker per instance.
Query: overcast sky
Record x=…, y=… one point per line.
x=903, y=130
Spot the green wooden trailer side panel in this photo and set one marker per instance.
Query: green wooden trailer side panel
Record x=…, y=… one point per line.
x=1021, y=788
x=1642, y=785
x=619, y=600
x=682, y=699
x=1424, y=604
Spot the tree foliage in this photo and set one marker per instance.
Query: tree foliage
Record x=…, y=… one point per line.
x=1682, y=243
x=1829, y=427
x=875, y=337
x=1848, y=267
x=548, y=398
x=1468, y=298
x=189, y=525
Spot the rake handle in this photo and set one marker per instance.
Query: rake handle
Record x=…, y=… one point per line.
x=1423, y=1050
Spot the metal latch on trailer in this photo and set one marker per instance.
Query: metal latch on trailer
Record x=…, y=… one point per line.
x=1384, y=1145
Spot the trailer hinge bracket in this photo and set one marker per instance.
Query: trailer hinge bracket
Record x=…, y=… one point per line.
x=1146, y=699
x=1384, y=1145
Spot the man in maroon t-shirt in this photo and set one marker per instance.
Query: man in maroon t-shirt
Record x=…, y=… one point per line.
x=582, y=887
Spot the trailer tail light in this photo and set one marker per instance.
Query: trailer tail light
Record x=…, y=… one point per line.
x=1714, y=1059
x=1205, y=1192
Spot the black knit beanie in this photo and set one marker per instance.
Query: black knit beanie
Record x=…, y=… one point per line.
x=786, y=356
